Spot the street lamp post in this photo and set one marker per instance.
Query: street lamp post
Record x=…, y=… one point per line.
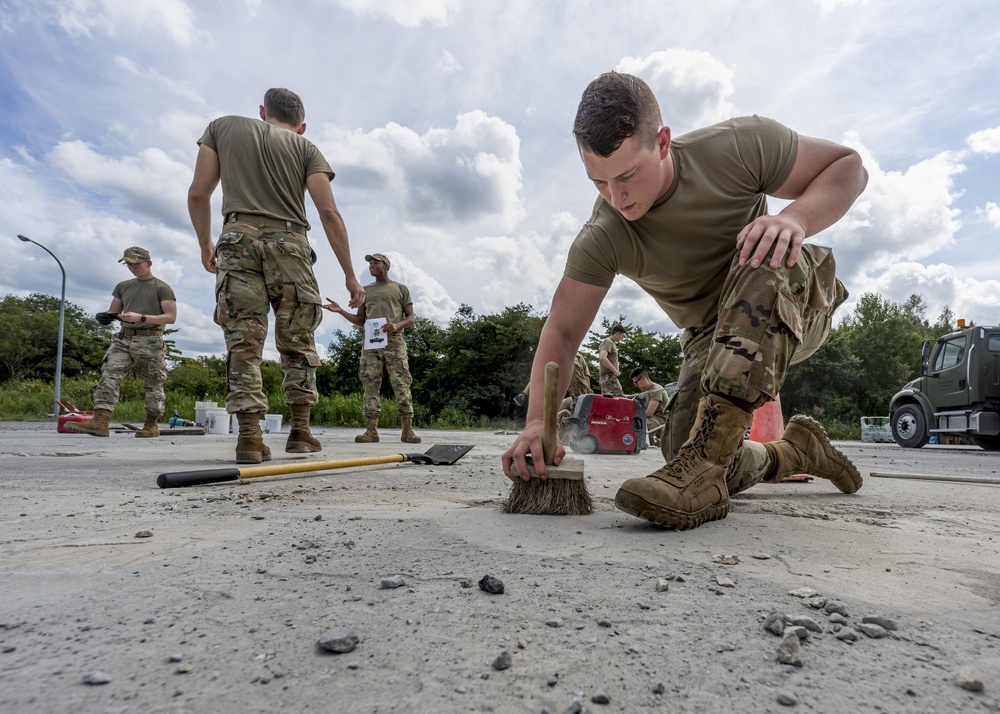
x=62, y=314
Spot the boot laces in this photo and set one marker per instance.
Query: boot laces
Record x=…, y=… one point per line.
x=695, y=449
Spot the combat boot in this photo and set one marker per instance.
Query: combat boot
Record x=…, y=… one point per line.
x=98, y=426
x=691, y=488
x=250, y=446
x=151, y=428
x=371, y=433
x=408, y=436
x=804, y=448
x=300, y=438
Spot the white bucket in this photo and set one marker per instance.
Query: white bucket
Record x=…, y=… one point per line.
x=273, y=423
x=200, y=411
x=235, y=425
x=216, y=420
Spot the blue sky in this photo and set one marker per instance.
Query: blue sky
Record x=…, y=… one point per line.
x=448, y=124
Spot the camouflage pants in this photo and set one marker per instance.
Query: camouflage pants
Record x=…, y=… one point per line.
x=768, y=320
x=149, y=357
x=257, y=270
x=611, y=385
x=393, y=358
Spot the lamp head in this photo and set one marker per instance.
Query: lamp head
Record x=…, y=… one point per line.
x=26, y=239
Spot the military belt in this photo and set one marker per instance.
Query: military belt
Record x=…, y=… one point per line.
x=131, y=332
x=256, y=220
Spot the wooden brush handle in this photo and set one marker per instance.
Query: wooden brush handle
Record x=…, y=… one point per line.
x=549, y=407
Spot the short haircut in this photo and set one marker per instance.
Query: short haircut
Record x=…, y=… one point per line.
x=614, y=107
x=638, y=372
x=285, y=106
x=617, y=328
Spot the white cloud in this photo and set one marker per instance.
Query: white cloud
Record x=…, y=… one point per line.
x=150, y=182
x=460, y=176
x=449, y=64
x=408, y=13
x=692, y=87
x=172, y=18
x=986, y=141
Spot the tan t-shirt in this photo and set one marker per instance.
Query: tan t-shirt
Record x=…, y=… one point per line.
x=144, y=297
x=681, y=250
x=611, y=347
x=263, y=167
x=655, y=392
x=386, y=299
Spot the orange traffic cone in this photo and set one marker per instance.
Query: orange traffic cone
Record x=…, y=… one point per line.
x=768, y=424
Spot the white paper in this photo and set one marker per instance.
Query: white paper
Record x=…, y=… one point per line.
x=375, y=339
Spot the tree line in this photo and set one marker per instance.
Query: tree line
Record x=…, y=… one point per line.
x=468, y=371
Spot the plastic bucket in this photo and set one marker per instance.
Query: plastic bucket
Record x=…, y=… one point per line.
x=216, y=420
x=200, y=411
x=273, y=423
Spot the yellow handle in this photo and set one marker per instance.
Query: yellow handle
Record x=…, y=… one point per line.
x=549, y=406
x=296, y=468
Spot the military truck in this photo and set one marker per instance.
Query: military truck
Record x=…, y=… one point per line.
x=958, y=392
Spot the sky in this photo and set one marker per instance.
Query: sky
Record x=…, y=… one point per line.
x=448, y=123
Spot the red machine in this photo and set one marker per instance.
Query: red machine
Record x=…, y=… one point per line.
x=602, y=424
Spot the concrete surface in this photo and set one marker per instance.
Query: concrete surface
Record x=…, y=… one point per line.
x=221, y=607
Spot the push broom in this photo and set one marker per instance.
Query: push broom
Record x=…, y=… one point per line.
x=564, y=492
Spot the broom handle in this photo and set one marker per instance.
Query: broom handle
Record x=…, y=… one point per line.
x=549, y=406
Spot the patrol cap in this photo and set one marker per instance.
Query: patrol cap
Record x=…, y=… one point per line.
x=135, y=254
x=378, y=256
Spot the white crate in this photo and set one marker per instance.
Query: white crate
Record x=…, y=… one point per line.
x=876, y=429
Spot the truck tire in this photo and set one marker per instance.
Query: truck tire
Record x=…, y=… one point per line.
x=909, y=426
x=990, y=443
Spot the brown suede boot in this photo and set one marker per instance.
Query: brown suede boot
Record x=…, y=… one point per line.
x=98, y=426
x=408, y=436
x=151, y=428
x=371, y=434
x=250, y=446
x=804, y=448
x=300, y=438
x=691, y=488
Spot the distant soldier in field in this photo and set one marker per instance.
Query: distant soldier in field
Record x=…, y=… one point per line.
x=144, y=305
x=609, y=363
x=390, y=302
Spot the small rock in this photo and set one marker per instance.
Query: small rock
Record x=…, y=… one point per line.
x=175, y=658
x=775, y=623
x=144, y=534
x=817, y=603
x=790, y=651
x=786, y=699
x=96, y=678
x=318, y=517
x=339, y=641
x=465, y=583
x=762, y=556
x=806, y=622
x=662, y=585
x=725, y=582
x=835, y=606
x=803, y=593
x=554, y=622
x=604, y=623
x=847, y=634
x=967, y=679
x=659, y=688
x=601, y=698
x=184, y=667
x=576, y=707
x=522, y=644
x=392, y=582
x=503, y=661
x=838, y=619
x=491, y=585
x=876, y=632
x=797, y=630
x=680, y=579
x=730, y=559
x=880, y=621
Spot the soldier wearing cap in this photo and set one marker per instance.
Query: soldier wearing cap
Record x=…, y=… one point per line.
x=263, y=259
x=390, y=301
x=144, y=305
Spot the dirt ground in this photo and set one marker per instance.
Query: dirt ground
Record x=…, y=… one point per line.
x=214, y=598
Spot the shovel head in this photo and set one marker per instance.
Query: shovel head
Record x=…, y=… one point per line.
x=441, y=454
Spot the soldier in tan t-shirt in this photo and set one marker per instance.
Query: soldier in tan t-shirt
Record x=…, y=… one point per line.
x=687, y=220
x=390, y=301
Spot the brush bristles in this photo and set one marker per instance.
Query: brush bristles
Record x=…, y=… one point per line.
x=549, y=497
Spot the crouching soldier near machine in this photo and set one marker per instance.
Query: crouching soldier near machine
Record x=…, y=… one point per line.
x=655, y=398
x=144, y=305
